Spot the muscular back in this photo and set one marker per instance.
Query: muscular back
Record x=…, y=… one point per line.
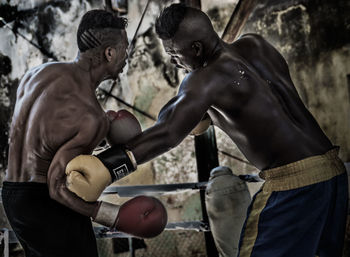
x=53, y=106
x=257, y=105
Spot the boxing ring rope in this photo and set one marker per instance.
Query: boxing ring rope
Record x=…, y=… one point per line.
x=151, y=190
x=40, y=48
x=108, y=94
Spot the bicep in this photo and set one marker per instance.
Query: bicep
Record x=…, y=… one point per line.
x=56, y=179
x=85, y=139
x=57, y=182
x=56, y=173
x=184, y=112
x=175, y=121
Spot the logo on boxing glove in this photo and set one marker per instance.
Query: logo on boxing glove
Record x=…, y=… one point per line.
x=121, y=171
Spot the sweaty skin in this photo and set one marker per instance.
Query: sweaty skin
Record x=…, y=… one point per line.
x=56, y=118
x=246, y=89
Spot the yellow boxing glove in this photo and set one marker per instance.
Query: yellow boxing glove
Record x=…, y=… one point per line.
x=87, y=177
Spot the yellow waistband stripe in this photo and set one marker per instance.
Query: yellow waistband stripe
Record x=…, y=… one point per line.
x=305, y=172
x=251, y=229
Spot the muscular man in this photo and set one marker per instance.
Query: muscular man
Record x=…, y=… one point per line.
x=246, y=89
x=56, y=118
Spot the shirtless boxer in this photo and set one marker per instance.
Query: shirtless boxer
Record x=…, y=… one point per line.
x=56, y=118
x=246, y=89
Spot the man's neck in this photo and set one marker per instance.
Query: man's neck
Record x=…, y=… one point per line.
x=212, y=52
x=94, y=75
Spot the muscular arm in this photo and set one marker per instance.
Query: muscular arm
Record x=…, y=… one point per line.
x=83, y=142
x=175, y=121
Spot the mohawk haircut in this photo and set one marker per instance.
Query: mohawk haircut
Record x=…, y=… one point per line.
x=169, y=20
x=96, y=20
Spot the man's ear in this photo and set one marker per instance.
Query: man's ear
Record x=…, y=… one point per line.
x=197, y=46
x=109, y=53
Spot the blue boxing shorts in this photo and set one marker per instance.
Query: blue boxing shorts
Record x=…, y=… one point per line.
x=300, y=211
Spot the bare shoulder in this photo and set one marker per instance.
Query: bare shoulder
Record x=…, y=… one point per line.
x=207, y=81
x=59, y=80
x=251, y=42
x=251, y=38
x=257, y=41
x=57, y=70
x=255, y=48
x=198, y=80
x=46, y=74
x=47, y=68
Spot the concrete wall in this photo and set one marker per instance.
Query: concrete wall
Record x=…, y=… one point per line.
x=312, y=35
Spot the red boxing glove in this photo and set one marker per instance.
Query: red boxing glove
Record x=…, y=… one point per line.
x=124, y=126
x=142, y=216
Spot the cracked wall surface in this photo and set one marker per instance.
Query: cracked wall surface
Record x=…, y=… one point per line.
x=313, y=36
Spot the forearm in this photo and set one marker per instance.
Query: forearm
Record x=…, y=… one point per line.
x=72, y=201
x=153, y=142
x=175, y=121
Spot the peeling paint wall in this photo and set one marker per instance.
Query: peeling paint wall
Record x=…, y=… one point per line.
x=313, y=36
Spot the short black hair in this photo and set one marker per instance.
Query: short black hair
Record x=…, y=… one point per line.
x=169, y=20
x=96, y=19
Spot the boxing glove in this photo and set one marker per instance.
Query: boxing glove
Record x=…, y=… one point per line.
x=123, y=127
x=88, y=175
x=141, y=216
